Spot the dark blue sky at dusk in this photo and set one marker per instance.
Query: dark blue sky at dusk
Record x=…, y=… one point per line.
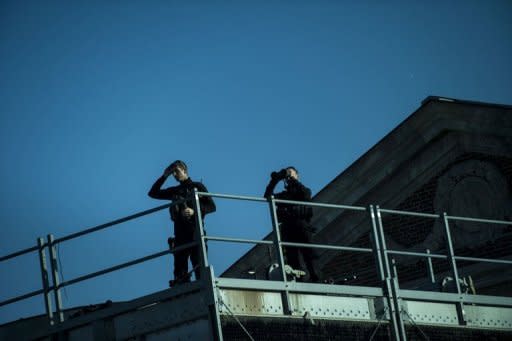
x=97, y=98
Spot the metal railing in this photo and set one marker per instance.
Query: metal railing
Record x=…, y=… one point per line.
x=50, y=244
x=389, y=290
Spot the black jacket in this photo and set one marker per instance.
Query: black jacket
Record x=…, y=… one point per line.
x=179, y=192
x=296, y=191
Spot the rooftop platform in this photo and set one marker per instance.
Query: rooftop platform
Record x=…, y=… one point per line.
x=220, y=308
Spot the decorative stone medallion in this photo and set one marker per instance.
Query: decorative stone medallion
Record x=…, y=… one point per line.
x=476, y=189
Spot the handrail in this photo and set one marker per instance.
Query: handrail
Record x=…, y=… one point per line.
x=282, y=201
x=417, y=254
x=477, y=220
x=231, y=196
x=113, y=223
x=93, y=229
x=448, y=217
x=122, y=266
x=22, y=297
x=409, y=213
x=327, y=247
x=19, y=253
x=239, y=240
x=488, y=260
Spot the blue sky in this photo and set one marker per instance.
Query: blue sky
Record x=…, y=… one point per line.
x=96, y=99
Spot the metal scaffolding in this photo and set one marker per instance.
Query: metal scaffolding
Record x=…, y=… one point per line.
x=386, y=302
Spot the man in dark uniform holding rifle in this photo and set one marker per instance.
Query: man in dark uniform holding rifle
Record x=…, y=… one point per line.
x=183, y=216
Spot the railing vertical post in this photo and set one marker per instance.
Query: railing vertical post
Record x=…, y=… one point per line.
x=430, y=268
x=279, y=252
x=397, y=326
x=376, y=245
x=395, y=272
x=214, y=304
x=55, y=277
x=44, y=276
x=453, y=264
x=200, y=232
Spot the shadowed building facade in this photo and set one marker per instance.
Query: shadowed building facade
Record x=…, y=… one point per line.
x=448, y=156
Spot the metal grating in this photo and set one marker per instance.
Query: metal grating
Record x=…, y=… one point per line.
x=489, y=317
x=245, y=302
x=431, y=313
x=332, y=307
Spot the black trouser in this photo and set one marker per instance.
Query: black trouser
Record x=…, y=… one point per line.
x=299, y=231
x=184, y=233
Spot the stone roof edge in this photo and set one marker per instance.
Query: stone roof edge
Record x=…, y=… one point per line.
x=424, y=104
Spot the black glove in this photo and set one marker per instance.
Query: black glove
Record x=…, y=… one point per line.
x=276, y=176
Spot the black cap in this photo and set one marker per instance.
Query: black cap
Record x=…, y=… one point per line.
x=291, y=167
x=179, y=163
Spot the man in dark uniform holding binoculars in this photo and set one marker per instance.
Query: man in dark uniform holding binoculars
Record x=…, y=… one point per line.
x=294, y=219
